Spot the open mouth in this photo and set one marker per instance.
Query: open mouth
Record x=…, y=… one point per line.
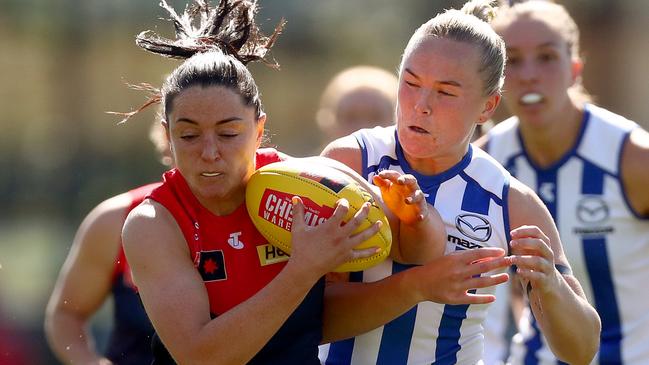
x=418, y=129
x=210, y=174
x=531, y=98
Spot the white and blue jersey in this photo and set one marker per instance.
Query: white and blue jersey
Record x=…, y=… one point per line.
x=606, y=243
x=471, y=198
x=498, y=327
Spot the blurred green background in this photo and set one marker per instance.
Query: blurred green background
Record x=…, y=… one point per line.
x=64, y=63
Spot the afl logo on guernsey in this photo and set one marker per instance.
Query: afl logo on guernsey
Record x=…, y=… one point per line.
x=592, y=209
x=473, y=226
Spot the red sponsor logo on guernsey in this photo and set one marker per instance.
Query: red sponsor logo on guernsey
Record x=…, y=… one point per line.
x=276, y=208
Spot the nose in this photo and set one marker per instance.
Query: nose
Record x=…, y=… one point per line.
x=423, y=104
x=210, y=150
x=528, y=71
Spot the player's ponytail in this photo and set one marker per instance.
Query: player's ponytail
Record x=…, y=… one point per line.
x=216, y=43
x=229, y=28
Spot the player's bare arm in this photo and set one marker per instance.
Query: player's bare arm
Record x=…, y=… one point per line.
x=569, y=323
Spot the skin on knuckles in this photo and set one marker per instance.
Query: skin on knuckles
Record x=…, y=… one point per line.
x=534, y=259
x=457, y=275
x=334, y=236
x=401, y=193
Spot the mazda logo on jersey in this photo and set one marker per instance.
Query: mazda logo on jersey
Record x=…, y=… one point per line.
x=592, y=209
x=211, y=265
x=473, y=226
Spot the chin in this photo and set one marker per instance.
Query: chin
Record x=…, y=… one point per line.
x=417, y=151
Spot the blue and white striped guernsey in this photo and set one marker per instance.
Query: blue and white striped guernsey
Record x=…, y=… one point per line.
x=471, y=197
x=606, y=244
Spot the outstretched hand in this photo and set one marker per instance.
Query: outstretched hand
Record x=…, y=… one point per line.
x=322, y=248
x=448, y=279
x=402, y=195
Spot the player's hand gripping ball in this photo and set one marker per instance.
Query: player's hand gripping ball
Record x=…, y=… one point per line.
x=268, y=200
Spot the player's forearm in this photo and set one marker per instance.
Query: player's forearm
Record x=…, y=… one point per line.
x=420, y=242
x=70, y=339
x=272, y=306
x=570, y=325
x=354, y=308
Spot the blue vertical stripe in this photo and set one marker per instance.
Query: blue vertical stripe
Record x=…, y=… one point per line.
x=340, y=352
x=448, y=340
x=546, y=188
x=475, y=199
x=592, y=182
x=395, y=342
x=533, y=345
x=597, y=264
x=510, y=164
x=596, y=255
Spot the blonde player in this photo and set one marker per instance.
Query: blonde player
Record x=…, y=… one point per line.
x=449, y=81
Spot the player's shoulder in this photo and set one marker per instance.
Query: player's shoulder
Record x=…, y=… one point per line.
x=519, y=192
x=525, y=206
x=636, y=151
x=108, y=216
x=346, y=143
x=345, y=150
x=148, y=226
x=604, y=118
x=634, y=170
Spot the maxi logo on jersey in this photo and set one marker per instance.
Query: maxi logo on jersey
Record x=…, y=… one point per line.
x=277, y=208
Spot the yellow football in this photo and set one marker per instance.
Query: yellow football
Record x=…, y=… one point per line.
x=268, y=200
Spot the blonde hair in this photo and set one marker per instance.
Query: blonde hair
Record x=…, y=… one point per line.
x=469, y=25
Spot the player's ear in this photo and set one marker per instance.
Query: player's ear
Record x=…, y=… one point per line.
x=576, y=68
x=490, y=105
x=261, y=121
x=165, y=125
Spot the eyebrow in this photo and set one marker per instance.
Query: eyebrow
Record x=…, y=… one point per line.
x=444, y=82
x=542, y=45
x=223, y=121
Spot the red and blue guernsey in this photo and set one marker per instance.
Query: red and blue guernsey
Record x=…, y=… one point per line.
x=235, y=262
x=130, y=339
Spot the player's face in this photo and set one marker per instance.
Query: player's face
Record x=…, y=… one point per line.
x=213, y=138
x=539, y=71
x=440, y=100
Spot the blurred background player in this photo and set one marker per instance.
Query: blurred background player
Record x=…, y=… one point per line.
x=95, y=270
x=589, y=166
x=450, y=80
x=355, y=98
x=16, y=346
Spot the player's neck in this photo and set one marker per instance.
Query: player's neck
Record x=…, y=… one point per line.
x=548, y=143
